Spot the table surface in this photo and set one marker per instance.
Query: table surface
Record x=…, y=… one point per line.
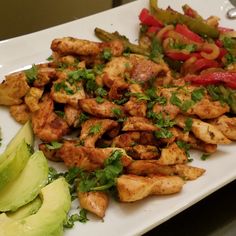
x=213, y=216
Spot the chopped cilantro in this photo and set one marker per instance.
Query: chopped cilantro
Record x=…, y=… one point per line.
x=121, y=101
x=99, y=100
x=31, y=74
x=204, y=156
x=197, y=94
x=81, y=217
x=185, y=146
x=106, y=54
x=156, y=49
x=117, y=112
x=53, y=145
x=188, y=124
x=82, y=118
x=100, y=91
x=60, y=113
x=94, y=129
x=163, y=133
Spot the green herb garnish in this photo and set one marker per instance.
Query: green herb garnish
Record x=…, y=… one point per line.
x=31, y=74
x=53, y=145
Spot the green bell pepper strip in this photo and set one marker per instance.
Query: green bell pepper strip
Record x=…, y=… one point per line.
x=172, y=17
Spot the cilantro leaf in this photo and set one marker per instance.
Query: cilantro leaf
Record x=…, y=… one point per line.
x=31, y=74
x=53, y=145
x=94, y=129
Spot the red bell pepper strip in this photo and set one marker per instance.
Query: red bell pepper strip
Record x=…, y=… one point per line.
x=182, y=56
x=224, y=29
x=147, y=19
x=226, y=78
x=202, y=64
x=153, y=29
x=185, y=31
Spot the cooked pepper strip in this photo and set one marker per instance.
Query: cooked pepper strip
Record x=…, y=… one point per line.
x=226, y=78
x=147, y=19
x=171, y=17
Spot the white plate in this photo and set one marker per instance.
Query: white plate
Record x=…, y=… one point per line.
x=139, y=217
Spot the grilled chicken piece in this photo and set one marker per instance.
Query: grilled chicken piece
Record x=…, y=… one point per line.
x=95, y=202
x=227, y=125
x=206, y=109
x=133, y=188
x=13, y=89
x=194, y=142
x=32, y=98
x=46, y=124
x=127, y=139
x=44, y=76
x=63, y=91
x=50, y=154
x=153, y=167
x=117, y=89
x=72, y=115
x=136, y=108
x=20, y=113
x=172, y=155
x=115, y=69
x=93, y=129
x=143, y=152
x=204, y=131
x=168, y=110
x=106, y=109
x=138, y=124
x=87, y=158
x=144, y=69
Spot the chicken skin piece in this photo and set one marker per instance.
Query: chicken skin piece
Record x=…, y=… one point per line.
x=87, y=158
x=46, y=124
x=95, y=202
x=153, y=167
x=106, y=109
x=93, y=129
x=133, y=188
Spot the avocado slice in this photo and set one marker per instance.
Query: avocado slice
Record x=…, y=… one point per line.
x=14, y=164
x=26, y=133
x=48, y=221
x=26, y=210
x=28, y=184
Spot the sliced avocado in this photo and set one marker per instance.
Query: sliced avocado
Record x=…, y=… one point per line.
x=14, y=164
x=48, y=221
x=28, y=184
x=26, y=210
x=26, y=133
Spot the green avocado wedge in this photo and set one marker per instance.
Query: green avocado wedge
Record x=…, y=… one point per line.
x=13, y=165
x=26, y=210
x=48, y=221
x=27, y=186
x=26, y=133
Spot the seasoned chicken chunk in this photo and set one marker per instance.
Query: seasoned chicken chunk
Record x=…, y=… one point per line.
x=153, y=167
x=133, y=188
x=46, y=124
x=72, y=115
x=93, y=129
x=44, y=76
x=88, y=158
x=106, y=109
x=13, y=89
x=20, y=113
x=143, y=152
x=50, y=154
x=136, y=123
x=227, y=125
x=204, y=131
x=136, y=108
x=95, y=202
x=127, y=139
x=32, y=98
x=172, y=154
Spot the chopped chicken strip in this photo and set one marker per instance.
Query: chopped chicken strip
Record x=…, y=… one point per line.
x=127, y=139
x=88, y=158
x=132, y=187
x=136, y=108
x=172, y=155
x=72, y=115
x=143, y=152
x=20, y=113
x=138, y=124
x=50, y=154
x=13, y=89
x=204, y=131
x=227, y=125
x=46, y=124
x=95, y=202
x=207, y=109
x=153, y=167
x=117, y=89
x=32, y=98
x=169, y=110
x=93, y=129
x=44, y=76
x=63, y=91
x=106, y=109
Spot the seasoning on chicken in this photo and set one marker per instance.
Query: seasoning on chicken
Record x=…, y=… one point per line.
x=20, y=113
x=72, y=115
x=32, y=98
x=93, y=129
x=133, y=188
x=46, y=124
x=88, y=158
x=95, y=202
